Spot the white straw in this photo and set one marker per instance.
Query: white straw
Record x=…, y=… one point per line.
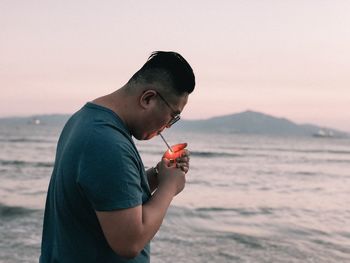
x=165, y=142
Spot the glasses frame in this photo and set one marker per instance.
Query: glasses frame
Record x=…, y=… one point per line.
x=175, y=116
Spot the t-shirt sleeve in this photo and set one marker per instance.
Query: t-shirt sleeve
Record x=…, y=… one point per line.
x=109, y=174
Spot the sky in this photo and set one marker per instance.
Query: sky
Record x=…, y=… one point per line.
x=286, y=58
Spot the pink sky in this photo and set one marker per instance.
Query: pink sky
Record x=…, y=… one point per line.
x=285, y=58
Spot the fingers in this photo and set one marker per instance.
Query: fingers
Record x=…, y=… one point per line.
x=183, y=166
x=183, y=162
x=166, y=161
x=180, y=157
x=184, y=157
x=169, y=162
x=185, y=153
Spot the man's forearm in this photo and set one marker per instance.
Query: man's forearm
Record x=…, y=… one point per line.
x=152, y=179
x=154, y=211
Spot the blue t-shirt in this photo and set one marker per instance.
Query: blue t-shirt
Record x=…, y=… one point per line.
x=97, y=168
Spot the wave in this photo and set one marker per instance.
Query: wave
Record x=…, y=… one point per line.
x=345, y=152
x=280, y=149
x=241, y=211
x=247, y=240
x=195, y=220
x=208, y=154
x=150, y=152
x=337, y=161
x=183, y=214
x=205, y=154
x=254, y=153
x=18, y=163
x=14, y=211
x=26, y=140
x=306, y=173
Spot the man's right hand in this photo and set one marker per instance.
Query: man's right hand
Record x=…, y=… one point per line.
x=170, y=176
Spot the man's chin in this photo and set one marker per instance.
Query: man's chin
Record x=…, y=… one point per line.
x=148, y=136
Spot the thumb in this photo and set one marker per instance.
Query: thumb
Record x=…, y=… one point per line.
x=166, y=162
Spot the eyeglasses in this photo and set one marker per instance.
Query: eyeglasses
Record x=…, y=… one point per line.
x=175, y=116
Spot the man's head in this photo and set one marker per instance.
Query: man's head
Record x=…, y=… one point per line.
x=162, y=87
x=169, y=69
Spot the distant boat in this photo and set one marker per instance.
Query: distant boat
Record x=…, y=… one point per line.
x=35, y=121
x=323, y=134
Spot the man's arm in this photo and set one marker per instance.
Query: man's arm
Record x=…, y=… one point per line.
x=152, y=177
x=128, y=230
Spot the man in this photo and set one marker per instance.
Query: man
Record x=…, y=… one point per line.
x=102, y=206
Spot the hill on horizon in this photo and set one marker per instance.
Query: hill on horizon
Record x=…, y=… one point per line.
x=246, y=122
x=252, y=122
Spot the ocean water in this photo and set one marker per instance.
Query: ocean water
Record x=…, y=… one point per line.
x=247, y=198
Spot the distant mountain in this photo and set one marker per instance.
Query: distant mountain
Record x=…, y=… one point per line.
x=250, y=122
x=247, y=122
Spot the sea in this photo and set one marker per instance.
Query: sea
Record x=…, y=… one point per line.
x=248, y=198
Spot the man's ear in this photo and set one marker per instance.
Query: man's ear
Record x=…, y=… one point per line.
x=147, y=97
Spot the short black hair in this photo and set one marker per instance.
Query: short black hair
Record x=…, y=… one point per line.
x=171, y=64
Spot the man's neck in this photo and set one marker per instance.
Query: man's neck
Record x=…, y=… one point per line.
x=117, y=102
